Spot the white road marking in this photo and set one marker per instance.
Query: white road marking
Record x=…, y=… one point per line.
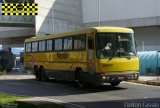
x=141, y=84
x=134, y=83
x=22, y=84
x=146, y=97
x=59, y=101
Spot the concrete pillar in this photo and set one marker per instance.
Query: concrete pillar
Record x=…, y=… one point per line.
x=56, y=16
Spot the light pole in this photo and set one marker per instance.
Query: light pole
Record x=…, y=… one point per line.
x=99, y=13
x=52, y=16
x=158, y=65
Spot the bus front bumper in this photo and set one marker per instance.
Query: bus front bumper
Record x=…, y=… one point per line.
x=118, y=77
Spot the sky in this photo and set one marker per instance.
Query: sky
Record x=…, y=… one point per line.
x=15, y=50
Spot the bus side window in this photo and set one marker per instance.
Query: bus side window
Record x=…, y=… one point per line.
x=79, y=43
x=28, y=47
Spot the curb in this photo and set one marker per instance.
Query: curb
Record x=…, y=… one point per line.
x=38, y=102
x=151, y=82
x=155, y=83
x=31, y=103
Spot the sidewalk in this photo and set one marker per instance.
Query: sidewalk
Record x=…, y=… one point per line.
x=148, y=80
x=15, y=74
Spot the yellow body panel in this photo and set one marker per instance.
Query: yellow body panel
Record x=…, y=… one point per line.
x=117, y=65
x=114, y=29
x=64, y=61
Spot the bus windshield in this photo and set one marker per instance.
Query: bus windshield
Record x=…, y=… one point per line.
x=115, y=45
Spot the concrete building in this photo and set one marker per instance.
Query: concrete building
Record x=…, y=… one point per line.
x=57, y=16
x=141, y=15
x=65, y=15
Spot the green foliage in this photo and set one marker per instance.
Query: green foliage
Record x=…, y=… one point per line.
x=6, y=99
x=3, y=72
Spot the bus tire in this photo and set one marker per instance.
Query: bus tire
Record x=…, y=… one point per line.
x=37, y=74
x=43, y=75
x=114, y=84
x=80, y=80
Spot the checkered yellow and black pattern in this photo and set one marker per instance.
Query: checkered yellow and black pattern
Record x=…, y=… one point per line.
x=20, y=9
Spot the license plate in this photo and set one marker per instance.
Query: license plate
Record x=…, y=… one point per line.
x=121, y=78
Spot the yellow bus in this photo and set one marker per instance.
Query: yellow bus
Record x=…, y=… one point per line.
x=95, y=55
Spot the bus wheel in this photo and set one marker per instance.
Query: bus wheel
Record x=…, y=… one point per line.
x=80, y=79
x=38, y=74
x=115, y=84
x=43, y=75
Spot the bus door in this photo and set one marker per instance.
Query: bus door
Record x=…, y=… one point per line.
x=91, y=53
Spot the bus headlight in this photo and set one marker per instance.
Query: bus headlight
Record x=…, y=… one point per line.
x=136, y=75
x=103, y=77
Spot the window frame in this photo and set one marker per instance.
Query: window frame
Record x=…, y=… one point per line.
x=73, y=37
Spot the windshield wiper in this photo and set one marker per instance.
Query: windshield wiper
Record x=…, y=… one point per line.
x=112, y=55
x=128, y=57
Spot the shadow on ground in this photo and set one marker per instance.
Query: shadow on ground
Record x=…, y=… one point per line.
x=31, y=87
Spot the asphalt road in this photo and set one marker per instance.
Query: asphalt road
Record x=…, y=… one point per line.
x=125, y=95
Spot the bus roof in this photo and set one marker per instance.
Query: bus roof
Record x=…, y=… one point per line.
x=113, y=29
x=82, y=31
